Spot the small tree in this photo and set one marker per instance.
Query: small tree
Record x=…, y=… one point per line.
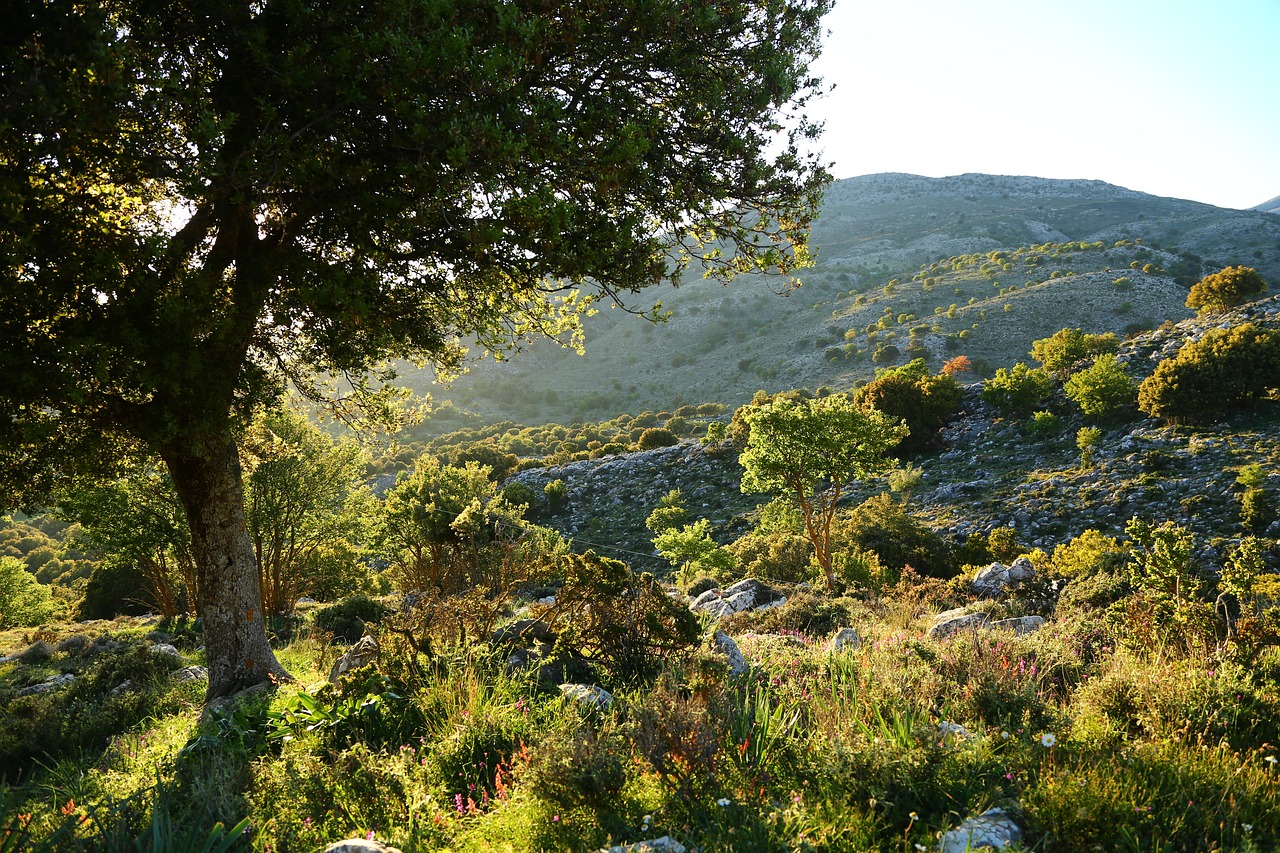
x=1087, y=440
x=1226, y=289
x=909, y=394
x=1102, y=388
x=24, y=601
x=1016, y=391
x=1227, y=368
x=1066, y=348
x=809, y=450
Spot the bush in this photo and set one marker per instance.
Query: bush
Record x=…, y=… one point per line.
x=655, y=437
x=347, y=619
x=113, y=590
x=1226, y=289
x=1102, y=388
x=910, y=394
x=777, y=555
x=1017, y=390
x=883, y=526
x=1226, y=369
x=1066, y=348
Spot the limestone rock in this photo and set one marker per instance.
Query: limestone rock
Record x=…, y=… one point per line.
x=952, y=622
x=844, y=640
x=997, y=579
x=1019, y=625
x=588, y=695
x=361, y=654
x=947, y=729
x=522, y=633
x=166, y=649
x=725, y=645
x=190, y=673
x=51, y=683
x=992, y=828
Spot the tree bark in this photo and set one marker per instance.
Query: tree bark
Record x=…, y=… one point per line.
x=207, y=477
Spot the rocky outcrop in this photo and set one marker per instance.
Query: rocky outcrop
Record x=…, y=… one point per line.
x=1018, y=625
x=953, y=622
x=724, y=645
x=51, y=683
x=665, y=844
x=361, y=654
x=748, y=594
x=997, y=579
x=360, y=845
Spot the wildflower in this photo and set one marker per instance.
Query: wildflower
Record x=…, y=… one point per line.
x=921, y=847
x=1247, y=827
x=722, y=802
x=555, y=819
x=369, y=835
x=1271, y=759
x=306, y=823
x=1004, y=735
x=1047, y=739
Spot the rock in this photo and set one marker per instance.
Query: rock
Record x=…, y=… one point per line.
x=993, y=828
x=750, y=594
x=361, y=654
x=846, y=639
x=126, y=686
x=306, y=599
x=522, y=633
x=953, y=730
x=952, y=622
x=1019, y=625
x=665, y=844
x=166, y=649
x=190, y=673
x=521, y=659
x=701, y=602
x=996, y=579
x=724, y=644
x=360, y=845
x=51, y=683
x=588, y=695
x=157, y=637
x=103, y=645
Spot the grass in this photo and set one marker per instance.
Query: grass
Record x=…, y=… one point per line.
x=1086, y=745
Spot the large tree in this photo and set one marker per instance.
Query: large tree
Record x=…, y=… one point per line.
x=203, y=202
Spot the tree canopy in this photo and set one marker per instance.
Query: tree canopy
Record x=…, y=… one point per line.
x=808, y=450
x=199, y=207
x=1226, y=289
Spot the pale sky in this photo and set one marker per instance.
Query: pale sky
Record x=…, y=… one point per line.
x=1175, y=98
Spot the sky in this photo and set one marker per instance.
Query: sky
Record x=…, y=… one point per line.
x=1176, y=98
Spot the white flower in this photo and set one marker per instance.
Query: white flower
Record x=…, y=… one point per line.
x=1004, y=735
x=722, y=802
x=1248, y=827
x=1047, y=739
x=1271, y=759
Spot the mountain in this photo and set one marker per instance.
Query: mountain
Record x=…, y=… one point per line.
x=1272, y=206
x=979, y=265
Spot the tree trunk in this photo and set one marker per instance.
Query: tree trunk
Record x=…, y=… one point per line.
x=207, y=477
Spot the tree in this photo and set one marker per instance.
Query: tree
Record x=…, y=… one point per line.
x=910, y=394
x=1065, y=348
x=1101, y=388
x=199, y=210
x=24, y=601
x=809, y=450
x=1017, y=390
x=1226, y=289
x=1225, y=369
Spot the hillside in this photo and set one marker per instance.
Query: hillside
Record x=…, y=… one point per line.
x=932, y=238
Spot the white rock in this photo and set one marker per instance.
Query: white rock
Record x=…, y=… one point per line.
x=360, y=845
x=725, y=645
x=191, y=673
x=361, y=654
x=949, y=624
x=166, y=649
x=846, y=639
x=1019, y=624
x=588, y=695
x=665, y=844
x=993, y=828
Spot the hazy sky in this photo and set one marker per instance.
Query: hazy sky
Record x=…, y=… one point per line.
x=1176, y=98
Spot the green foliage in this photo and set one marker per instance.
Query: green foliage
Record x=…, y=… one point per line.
x=113, y=590
x=656, y=437
x=1088, y=439
x=884, y=527
x=349, y=618
x=1087, y=554
x=24, y=601
x=691, y=549
x=1226, y=289
x=808, y=450
x=365, y=706
x=1060, y=353
x=669, y=514
x=1101, y=389
x=1162, y=569
x=1044, y=424
x=773, y=555
x=912, y=396
x=1016, y=391
x=557, y=492
x=1225, y=369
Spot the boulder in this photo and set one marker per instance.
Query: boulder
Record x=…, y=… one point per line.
x=844, y=640
x=51, y=683
x=361, y=654
x=952, y=622
x=190, y=673
x=947, y=729
x=750, y=594
x=1019, y=625
x=723, y=644
x=701, y=602
x=588, y=695
x=992, y=828
x=522, y=633
x=996, y=579
x=166, y=650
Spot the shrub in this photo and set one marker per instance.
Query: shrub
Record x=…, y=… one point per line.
x=557, y=493
x=1226, y=289
x=655, y=437
x=347, y=619
x=1102, y=388
x=1044, y=423
x=1061, y=352
x=1017, y=390
x=1226, y=369
x=1087, y=554
x=777, y=555
x=883, y=526
x=910, y=394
